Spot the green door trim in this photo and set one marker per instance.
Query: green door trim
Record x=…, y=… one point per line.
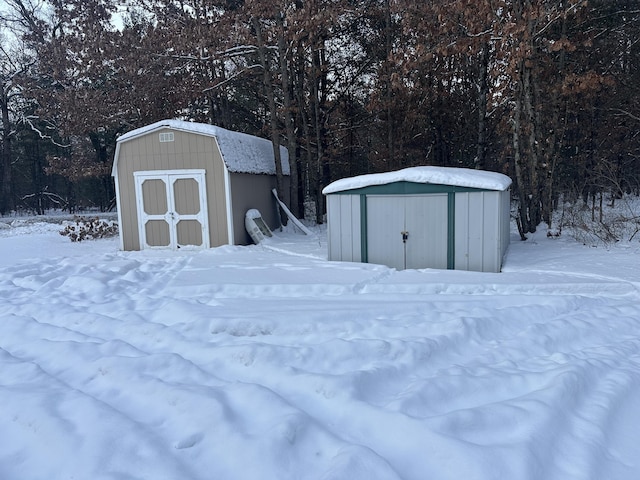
x=364, y=241
x=451, y=230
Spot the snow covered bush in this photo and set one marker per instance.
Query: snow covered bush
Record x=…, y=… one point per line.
x=85, y=228
x=602, y=223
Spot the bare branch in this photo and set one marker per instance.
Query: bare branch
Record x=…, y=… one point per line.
x=625, y=112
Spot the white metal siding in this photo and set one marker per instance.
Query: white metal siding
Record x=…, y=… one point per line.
x=478, y=230
x=492, y=257
x=505, y=219
x=481, y=230
x=343, y=231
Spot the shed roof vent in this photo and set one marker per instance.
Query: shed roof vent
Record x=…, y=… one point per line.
x=166, y=137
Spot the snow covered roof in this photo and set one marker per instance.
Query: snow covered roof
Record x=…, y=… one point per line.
x=242, y=153
x=459, y=177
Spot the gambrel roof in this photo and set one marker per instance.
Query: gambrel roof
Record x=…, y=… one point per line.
x=242, y=153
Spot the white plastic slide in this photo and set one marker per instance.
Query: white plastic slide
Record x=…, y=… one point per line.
x=291, y=216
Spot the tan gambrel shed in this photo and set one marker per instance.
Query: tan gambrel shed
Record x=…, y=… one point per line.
x=183, y=184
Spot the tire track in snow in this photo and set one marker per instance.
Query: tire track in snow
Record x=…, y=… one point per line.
x=62, y=401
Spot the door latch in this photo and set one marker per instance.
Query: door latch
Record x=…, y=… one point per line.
x=405, y=236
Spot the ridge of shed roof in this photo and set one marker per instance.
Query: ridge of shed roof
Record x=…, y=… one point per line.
x=241, y=152
x=452, y=176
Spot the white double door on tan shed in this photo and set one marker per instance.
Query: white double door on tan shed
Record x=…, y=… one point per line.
x=172, y=208
x=408, y=231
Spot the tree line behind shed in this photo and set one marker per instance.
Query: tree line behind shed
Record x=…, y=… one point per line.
x=545, y=92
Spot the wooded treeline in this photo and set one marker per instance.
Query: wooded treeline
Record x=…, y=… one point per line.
x=547, y=92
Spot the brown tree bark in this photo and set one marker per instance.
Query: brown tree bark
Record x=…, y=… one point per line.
x=267, y=83
x=483, y=93
x=289, y=114
x=7, y=202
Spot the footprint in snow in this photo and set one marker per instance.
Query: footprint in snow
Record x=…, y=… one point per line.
x=189, y=441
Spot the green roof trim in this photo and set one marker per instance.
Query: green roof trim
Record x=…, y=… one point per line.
x=408, y=188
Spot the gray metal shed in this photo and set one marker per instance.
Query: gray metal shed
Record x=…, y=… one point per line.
x=182, y=184
x=421, y=217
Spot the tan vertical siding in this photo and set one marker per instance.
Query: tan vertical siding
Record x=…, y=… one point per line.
x=187, y=151
x=126, y=185
x=216, y=190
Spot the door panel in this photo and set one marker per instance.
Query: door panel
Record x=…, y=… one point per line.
x=426, y=221
x=157, y=233
x=422, y=218
x=154, y=196
x=155, y=205
x=172, y=208
x=189, y=232
x=384, y=227
x=186, y=195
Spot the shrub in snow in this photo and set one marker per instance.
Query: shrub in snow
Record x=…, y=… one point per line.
x=89, y=228
x=602, y=224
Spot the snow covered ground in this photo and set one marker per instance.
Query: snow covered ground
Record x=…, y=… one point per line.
x=269, y=362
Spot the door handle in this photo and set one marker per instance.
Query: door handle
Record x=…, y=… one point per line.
x=405, y=236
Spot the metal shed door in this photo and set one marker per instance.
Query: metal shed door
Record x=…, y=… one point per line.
x=172, y=209
x=408, y=231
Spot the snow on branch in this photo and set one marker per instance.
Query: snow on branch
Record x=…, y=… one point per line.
x=238, y=51
x=232, y=77
x=28, y=121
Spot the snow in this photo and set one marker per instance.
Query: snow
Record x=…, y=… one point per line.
x=242, y=153
x=270, y=362
x=253, y=213
x=461, y=177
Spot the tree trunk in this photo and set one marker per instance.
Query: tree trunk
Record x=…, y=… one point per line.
x=316, y=120
x=483, y=91
x=303, y=124
x=390, y=119
x=522, y=219
x=273, y=112
x=534, y=194
x=318, y=116
x=6, y=182
x=289, y=116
